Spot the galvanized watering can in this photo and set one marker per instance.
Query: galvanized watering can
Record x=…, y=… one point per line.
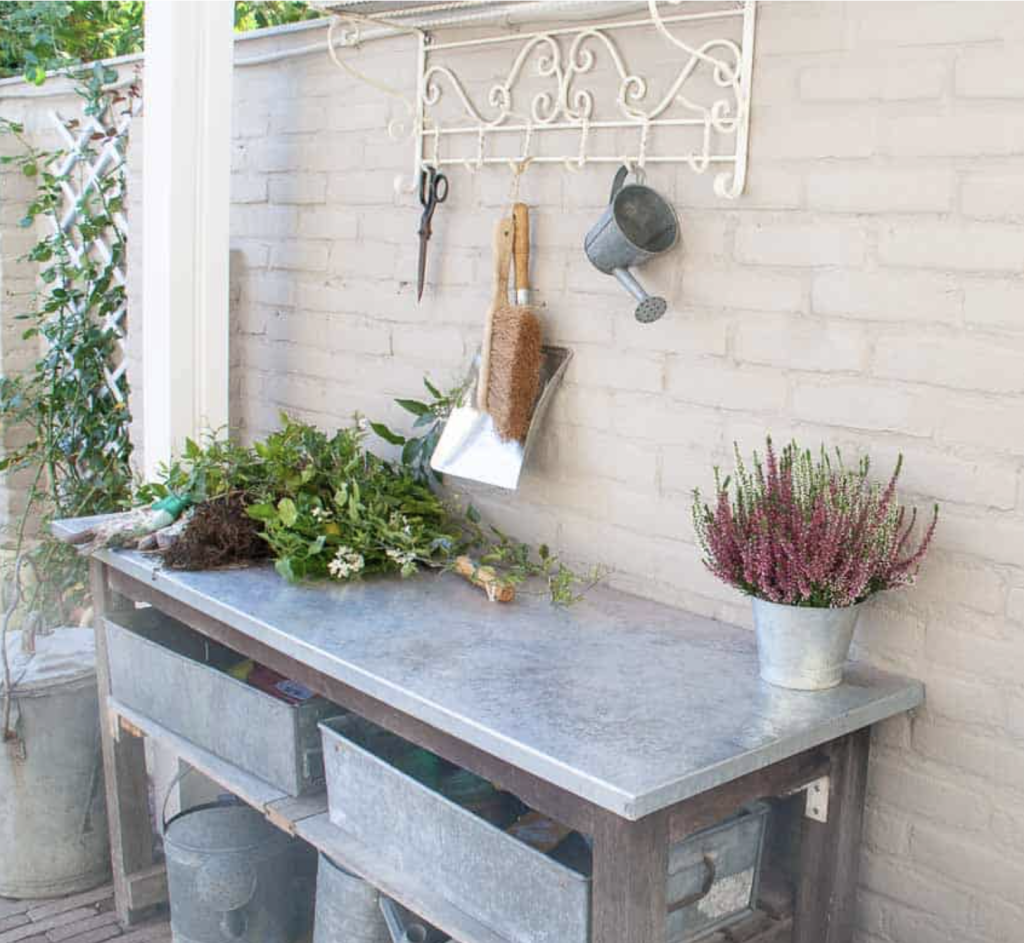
x=638, y=224
x=233, y=877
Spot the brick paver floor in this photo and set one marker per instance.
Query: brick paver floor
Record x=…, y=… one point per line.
x=82, y=918
x=89, y=918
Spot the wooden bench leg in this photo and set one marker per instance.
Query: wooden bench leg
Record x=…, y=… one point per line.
x=830, y=851
x=138, y=883
x=630, y=869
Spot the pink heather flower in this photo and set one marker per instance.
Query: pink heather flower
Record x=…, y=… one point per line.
x=807, y=532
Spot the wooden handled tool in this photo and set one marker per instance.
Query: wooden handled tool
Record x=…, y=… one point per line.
x=521, y=252
x=498, y=589
x=515, y=347
x=503, y=242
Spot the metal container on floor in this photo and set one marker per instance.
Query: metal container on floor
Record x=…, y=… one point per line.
x=53, y=818
x=232, y=876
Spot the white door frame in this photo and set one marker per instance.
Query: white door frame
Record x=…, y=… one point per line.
x=185, y=222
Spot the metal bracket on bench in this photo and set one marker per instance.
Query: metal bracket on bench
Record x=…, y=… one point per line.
x=817, y=799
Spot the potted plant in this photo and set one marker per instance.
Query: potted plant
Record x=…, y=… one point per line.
x=809, y=539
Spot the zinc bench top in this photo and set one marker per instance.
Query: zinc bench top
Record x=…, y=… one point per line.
x=625, y=702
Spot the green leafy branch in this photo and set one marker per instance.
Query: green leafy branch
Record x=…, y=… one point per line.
x=430, y=418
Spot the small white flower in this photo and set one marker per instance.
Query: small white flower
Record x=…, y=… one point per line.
x=346, y=563
x=319, y=514
x=405, y=560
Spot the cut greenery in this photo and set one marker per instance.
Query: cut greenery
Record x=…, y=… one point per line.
x=329, y=508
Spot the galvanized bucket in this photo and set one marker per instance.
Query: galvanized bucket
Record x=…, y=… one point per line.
x=233, y=876
x=350, y=910
x=801, y=647
x=53, y=818
x=347, y=907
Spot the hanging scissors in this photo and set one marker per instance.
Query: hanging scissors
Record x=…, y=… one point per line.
x=433, y=190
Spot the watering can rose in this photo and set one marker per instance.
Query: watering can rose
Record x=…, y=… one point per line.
x=806, y=531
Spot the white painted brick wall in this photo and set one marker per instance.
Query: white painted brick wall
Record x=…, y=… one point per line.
x=866, y=291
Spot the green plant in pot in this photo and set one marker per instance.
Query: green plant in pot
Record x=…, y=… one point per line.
x=809, y=539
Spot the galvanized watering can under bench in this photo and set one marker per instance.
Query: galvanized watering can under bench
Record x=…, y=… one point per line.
x=232, y=875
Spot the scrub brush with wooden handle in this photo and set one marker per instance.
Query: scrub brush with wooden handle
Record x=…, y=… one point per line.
x=515, y=346
x=503, y=242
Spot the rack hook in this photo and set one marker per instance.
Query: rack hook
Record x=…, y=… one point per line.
x=581, y=161
x=518, y=169
x=475, y=164
x=436, y=161
x=645, y=131
x=519, y=166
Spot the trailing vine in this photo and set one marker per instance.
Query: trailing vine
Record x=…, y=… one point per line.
x=75, y=446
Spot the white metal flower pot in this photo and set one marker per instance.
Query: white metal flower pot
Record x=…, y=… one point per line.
x=803, y=648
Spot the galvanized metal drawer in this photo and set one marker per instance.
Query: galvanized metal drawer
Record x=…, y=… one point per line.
x=520, y=893
x=714, y=875
x=177, y=677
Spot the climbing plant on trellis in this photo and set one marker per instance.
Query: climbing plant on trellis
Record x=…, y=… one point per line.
x=88, y=166
x=73, y=403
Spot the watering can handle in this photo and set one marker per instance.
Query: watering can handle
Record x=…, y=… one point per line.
x=620, y=179
x=181, y=774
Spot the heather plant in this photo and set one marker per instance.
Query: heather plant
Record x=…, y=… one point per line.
x=809, y=531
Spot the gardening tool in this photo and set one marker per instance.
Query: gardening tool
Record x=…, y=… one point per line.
x=433, y=190
x=510, y=377
x=637, y=225
x=470, y=445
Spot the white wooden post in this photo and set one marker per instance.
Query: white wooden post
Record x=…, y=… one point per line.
x=186, y=176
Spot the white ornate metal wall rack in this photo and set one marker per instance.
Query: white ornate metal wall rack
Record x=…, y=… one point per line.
x=705, y=102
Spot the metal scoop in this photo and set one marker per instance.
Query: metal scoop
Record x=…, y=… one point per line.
x=470, y=446
x=638, y=224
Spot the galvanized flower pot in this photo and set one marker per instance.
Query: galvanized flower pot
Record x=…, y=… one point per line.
x=803, y=648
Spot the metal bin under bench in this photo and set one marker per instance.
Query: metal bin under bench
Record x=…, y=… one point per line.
x=634, y=723
x=522, y=893
x=179, y=678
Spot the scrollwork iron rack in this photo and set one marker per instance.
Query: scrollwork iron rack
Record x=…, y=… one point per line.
x=563, y=57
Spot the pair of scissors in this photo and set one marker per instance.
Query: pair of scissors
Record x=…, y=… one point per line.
x=433, y=190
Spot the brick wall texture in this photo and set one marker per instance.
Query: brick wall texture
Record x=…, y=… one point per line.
x=866, y=292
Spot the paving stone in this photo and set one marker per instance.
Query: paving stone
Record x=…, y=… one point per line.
x=38, y=928
x=96, y=935
x=42, y=910
x=10, y=908
x=88, y=925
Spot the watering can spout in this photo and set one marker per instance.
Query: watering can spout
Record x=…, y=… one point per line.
x=637, y=225
x=650, y=308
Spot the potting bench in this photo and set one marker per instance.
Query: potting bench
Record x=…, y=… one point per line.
x=631, y=721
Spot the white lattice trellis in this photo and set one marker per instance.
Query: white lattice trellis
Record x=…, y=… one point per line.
x=92, y=168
